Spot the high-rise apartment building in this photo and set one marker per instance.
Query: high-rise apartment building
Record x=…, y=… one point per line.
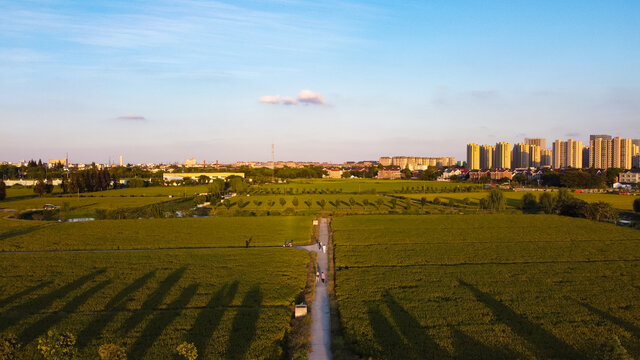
x=545, y=157
x=502, y=156
x=567, y=154
x=385, y=161
x=604, y=137
x=559, y=154
x=534, y=155
x=486, y=156
x=574, y=154
x=600, y=152
x=585, y=157
x=473, y=156
x=542, y=143
x=520, y=156
x=626, y=154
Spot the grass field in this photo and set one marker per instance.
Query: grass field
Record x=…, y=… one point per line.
x=355, y=186
x=155, y=233
x=621, y=202
x=336, y=203
x=231, y=303
x=486, y=286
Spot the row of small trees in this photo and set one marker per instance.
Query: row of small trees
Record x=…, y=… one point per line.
x=58, y=345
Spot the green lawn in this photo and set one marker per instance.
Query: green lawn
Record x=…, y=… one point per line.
x=621, y=202
x=355, y=186
x=231, y=303
x=486, y=286
x=158, y=233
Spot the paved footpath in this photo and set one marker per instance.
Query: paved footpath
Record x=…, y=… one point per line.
x=320, y=322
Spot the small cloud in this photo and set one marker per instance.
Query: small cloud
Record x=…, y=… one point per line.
x=270, y=99
x=286, y=100
x=310, y=97
x=132, y=117
x=572, y=134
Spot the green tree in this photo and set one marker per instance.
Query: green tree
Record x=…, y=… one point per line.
x=40, y=188
x=529, y=203
x=295, y=202
x=452, y=202
x=58, y=346
x=283, y=202
x=423, y=202
x=436, y=201
x=496, y=200
x=636, y=205
x=3, y=190
x=352, y=202
x=322, y=203
x=226, y=203
x=612, y=350
x=365, y=202
x=548, y=202
x=379, y=202
x=270, y=203
x=203, y=179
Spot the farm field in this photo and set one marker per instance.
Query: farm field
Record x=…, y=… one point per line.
x=621, y=202
x=486, y=286
x=231, y=303
x=355, y=186
x=312, y=203
x=154, y=233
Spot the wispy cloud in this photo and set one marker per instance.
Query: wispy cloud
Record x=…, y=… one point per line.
x=310, y=97
x=270, y=99
x=289, y=101
x=306, y=97
x=132, y=117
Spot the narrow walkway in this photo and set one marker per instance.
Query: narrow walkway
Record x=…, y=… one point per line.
x=320, y=322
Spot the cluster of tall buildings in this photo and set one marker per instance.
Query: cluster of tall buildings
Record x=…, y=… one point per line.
x=602, y=152
x=416, y=163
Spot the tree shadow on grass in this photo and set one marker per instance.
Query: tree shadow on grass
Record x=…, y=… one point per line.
x=19, y=312
x=243, y=329
x=386, y=337
x=118, y=302
x=421, y=346
x=43, y=325
x=209, y=318
x=547, y=345
x=13, y=233
x=625, y=324
x=9, y=299
x=160, y=321
x=154, y=300
x=467, y=347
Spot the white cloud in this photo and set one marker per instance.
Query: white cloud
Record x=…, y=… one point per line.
x=132, y=117
x=304, y=97
x=287, y=100
x=270, y=99
x=310, y=97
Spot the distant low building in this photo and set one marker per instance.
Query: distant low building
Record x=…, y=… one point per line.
x=630, y=177
x=500, y=174
x=333, y=174
x=390, y=174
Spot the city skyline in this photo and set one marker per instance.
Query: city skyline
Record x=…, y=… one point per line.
x=334, y=81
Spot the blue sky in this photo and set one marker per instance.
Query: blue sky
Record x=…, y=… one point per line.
x=166, y=80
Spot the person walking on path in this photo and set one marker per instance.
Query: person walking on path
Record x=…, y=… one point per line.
x=323, y=277
x=317, y=276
